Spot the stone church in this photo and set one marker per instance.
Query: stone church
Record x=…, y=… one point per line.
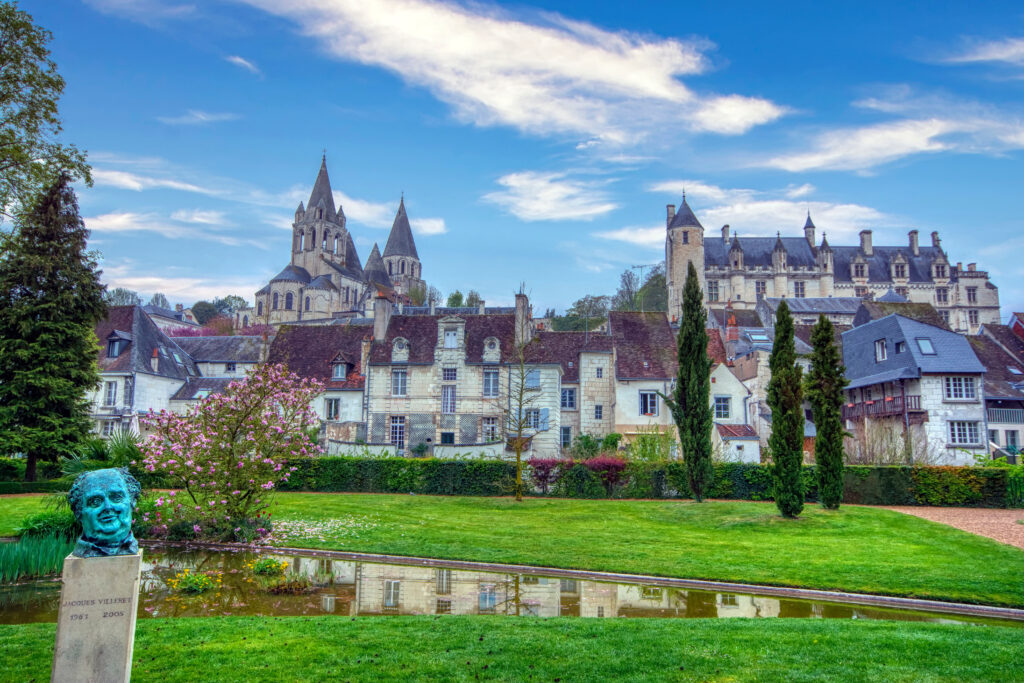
x=324, y=279
x=741, y=271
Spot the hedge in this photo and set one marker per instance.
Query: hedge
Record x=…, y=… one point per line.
x=7, y=487
x=945, y=486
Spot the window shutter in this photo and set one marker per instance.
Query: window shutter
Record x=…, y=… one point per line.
x=543, y=419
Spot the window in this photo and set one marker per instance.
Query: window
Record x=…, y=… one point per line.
x=960, y=389
x=900, y=270
x=599, y=412
x=444, y=581
x=109, y=428
x=799, y=289
x=259, y=308
x=346, y=295
x=398, y=431
x=275, y=301
x=533, y=418
x=113, y=348
x=568, y=399
x=230, y=367
x=565, y=437
x=533, y=379
x=972, y=295
x=490, y=429
x=712, y=290
x=972, y=316
x=390, y=269
x=444, y=606
x=993, y=436
x=903, y=291
x=447, y=438
x=860, y=292
x=451, y=338
x=901, y=347
x=858, y=270
x=448, y=399
x=289, y=299
x=941, y=295
x=568, y=586
x=332, y=408
x=723, y=407
x=1011, y=438
x=651, y=593
x=307, y=303
x=940, y=271
x=401, y=267
x=599, y=373
x=392, y=593
x=600, y=611
x=490, y=383
x=945, y=316
x=338, y=371
x=963, y=433
x=686, y=237
x=925, y=345
x=729, y=600
x=488, y=598
x=449, y=374
x=399, y=380
x=648, y=403
x=760, y=287
x=880, y=351
x=110, y=393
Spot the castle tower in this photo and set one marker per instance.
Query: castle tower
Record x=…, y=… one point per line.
x=684, y=244
x=400, y=257
x=319, y=231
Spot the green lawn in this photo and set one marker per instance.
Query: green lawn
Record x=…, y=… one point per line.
x=14, y=508
x=495, y=648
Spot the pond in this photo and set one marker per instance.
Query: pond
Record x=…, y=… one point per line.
x=352, y=588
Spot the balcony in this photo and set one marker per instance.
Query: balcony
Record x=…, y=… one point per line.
x=883, y=407
x=1006, y=415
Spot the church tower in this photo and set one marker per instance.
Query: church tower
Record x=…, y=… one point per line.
x=400, y=257
x=319, y=232
x=684, y=244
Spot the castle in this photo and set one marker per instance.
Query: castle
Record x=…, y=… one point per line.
x=324, y=279
x=740, y=272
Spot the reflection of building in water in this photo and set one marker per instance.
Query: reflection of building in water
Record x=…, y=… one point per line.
x=733, y=605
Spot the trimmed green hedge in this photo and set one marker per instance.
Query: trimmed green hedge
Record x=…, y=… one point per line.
x=402, y=475
x=7, y=487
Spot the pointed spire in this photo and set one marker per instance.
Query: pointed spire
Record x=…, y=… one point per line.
x=824, y=243
x=352, y=256
x=735, y=246
x=375, y=272
x=779, y=246
x=321, y=196
x=400, y=241
x=685, y=217
x=809, y=223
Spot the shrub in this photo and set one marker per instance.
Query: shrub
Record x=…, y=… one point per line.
x=586, y=446
x=579, y=481
x=544, y=472
x=268, y=566
x=1015, y=487
x=7, y=487
x=12, y=469
x=608, y=468
x=59, y=523
x=610, y=442
x=194, y=583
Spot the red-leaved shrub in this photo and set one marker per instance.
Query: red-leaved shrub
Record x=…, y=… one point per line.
x=544, y=472
x=608, y=467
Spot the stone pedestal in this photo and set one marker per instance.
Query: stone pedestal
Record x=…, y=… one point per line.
x=96, y=624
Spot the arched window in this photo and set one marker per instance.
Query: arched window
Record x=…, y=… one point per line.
x=403, y=267
x=288, y=301
x=412, y=270
x=259, y=308
x=307, y=303
x=346, y=295
x=275, y=301
x=327, y=239
x=319, y=213
x=302, y=241
x=312, y=238
x=337, y=244
x=245, y=321
x=389, y=269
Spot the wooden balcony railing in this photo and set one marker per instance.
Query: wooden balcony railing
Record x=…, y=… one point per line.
x=883, y=407
x=1006, y=415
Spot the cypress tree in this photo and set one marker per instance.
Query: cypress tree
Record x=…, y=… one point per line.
x=824, y=388
x=691, y=405
x=785, y=393
x=50, y=301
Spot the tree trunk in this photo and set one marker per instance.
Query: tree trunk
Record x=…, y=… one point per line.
x=30, y=467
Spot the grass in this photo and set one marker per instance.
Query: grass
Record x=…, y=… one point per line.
x=15, y=508
x=495, y=648
x=33, y=557
x=853, y=549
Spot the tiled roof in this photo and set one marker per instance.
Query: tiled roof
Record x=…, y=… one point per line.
x=875, y=310
x=235, y=349
x=641, y=338
x=481, y=327
x=685, y=217
x=565, y=348
x=736, y=431
x=741, y=318
x=716, y=346
x=190, y=389
x=1000, y=377
x=309, y=351
x=839, y=304
x=419, y=330
x=803, y=334
x=145, y=337
x=1006, y=338
x=400, y=241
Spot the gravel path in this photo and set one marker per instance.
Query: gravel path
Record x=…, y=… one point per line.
x=1002, y=525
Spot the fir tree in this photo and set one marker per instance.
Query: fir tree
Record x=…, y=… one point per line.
x=691, y=405
x=824, y=388
x=785, y=393
x=50, y=301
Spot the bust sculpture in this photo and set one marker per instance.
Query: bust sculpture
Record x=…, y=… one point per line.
x=102, y=501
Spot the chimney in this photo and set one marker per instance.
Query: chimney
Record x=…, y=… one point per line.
x=936, y=242
x=179, y=308
x=381, y=317
x=364, y=354
x=865, y=242
x=959, y=266
x=481, y=309
x=732, y=333
x=524, y=332
x=671, y=214
x=725, y=234
x=433, y=304
x=154, y=362
x=914, y=249
x=971, y=267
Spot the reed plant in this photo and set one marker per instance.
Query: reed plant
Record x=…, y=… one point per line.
x=33, y=557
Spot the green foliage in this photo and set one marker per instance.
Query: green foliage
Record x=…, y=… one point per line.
x=31, y=159
x=690, y=404
x=33, y=557
x=227, y=305
x=52, y=522
x=610, y=442
x=947, y=485
x=1015, y=487
x=204, y=311
x=473, y=299
x=122, y=297
x=585, y=446
x=585, y=314
x=13, y=487
x=455, y=299
x=401, y=475
x=267, y=566
x=193, y=583
x=785, y=394
x=12, y=469
x=650, y=445
x=579, y=482
x=824, y=388
x=50, y=301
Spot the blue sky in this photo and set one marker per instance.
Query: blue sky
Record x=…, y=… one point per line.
x=536, y=143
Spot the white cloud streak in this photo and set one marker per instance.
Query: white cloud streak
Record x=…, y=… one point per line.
x=200, y=217
x=125, y=180
x=184, y=289
x=196, y=117
x=244, y=63
x=553, y=76
x=130, y=221
x=1008, y=51
x=537, y=196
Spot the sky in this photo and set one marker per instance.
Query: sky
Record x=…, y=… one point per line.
x=536, y=144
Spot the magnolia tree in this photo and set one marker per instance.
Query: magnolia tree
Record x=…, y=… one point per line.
x=227, y=454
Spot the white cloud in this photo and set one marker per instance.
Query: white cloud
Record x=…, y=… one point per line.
x=136, y=182
x=537, y=196
x=148, y=12
x=200, y=216
x=1009, y=50
x=184, y=289
x=551, y=76
x=370, y=214
x=639, y=235
x=130, y=221
x=243, y=63
x=428, y=226
x=796, y=192
x=194, y=117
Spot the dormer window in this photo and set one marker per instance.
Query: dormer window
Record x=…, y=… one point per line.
x=880, y=351
x=113, y=348
x=451, y=338
x=339, y=371
x=940, y=270
x=899, y=270
x=858, y=269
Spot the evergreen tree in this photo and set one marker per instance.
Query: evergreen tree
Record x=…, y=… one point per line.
x=50, y=301
x=785, y=394
x=691, y=405
x=160, y=300
x=824, y=387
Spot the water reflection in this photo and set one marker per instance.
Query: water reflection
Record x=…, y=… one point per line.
x=349, y=588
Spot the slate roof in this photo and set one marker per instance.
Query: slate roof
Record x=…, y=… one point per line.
x=1000, y=379
x=757, y=251
x=322, y=194
x=875, y=310
x=565, y=347
x=742, y=318
x=309, y=351
x=918, y=267
x=292, y=274
x=168, y=313
x=803, y=333
x=190, y=389
x=685, y=217
x=728, y=432
x=1006, y=338
x=145, y=336
x=833, y=304
x=234, y=349
x=375, y=272
x=640, y=337
x=953, y=353
x=322, y=282
x=400, y=241
x=891, y=297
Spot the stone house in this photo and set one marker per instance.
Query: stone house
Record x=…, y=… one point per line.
x=219, y=361
x=1004, y=393
x=917, y=384
x=168, y=320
